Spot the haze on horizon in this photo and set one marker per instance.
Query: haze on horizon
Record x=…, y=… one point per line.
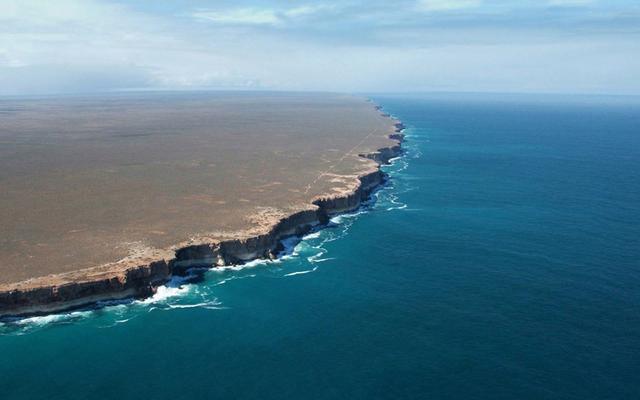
x=560, y=46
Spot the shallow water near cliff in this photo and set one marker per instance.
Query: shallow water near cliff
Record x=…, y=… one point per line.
x=500, y=261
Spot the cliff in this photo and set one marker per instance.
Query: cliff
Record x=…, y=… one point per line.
x=140, y=276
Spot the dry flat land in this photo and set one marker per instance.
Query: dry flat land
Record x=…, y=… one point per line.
x=88, y=181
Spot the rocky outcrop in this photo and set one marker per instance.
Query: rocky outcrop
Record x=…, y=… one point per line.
x=140, y=278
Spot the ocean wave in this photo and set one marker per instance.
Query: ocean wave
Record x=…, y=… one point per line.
x=22, y=326
x=301, y=272
x=209, y=305
x=319, y=260
x=339, y=219
x=393, y=159
x=310, y=236
x=233, y=277
x=165, y=292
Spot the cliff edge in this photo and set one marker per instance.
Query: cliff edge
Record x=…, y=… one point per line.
x=138, y=276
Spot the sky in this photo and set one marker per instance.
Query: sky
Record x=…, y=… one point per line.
x=541, y=46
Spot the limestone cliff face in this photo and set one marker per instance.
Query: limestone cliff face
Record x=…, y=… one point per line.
x=236, y=251
x=137, y=281
x=398, y=135
x=328, y=206
x=140, y=279
x=264, y=246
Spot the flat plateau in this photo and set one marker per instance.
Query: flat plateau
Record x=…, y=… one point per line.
x=106, y=197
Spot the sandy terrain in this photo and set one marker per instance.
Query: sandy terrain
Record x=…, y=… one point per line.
x=86, y=181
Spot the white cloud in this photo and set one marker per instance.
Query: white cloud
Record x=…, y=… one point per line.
x=447, y=5
x=84, y=45
x=307, y=10
x=569, y=3
x=240, y=16
x=7, y=61
x=259, y=16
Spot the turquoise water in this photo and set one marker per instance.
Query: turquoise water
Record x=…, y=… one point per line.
x=500, y=262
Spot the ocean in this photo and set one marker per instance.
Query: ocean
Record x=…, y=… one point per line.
x=500, y=261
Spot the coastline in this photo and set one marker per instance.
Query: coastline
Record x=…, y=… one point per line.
x=139, y=277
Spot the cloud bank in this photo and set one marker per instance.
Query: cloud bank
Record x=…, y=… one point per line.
x=585, y=46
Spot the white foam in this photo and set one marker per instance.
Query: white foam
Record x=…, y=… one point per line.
x=233, y=277
x=289, y=245
x=165, y=292
x=23, y=326
x=339, y=219
x=319, y=260
x=248, y=264
x=313, y=235
x=117, y=322
x=393, y=159
x=42, y=320
x=320, y=253
x=209, y=305
x=301, y=272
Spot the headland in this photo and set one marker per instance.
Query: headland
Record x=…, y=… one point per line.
x=108, y=198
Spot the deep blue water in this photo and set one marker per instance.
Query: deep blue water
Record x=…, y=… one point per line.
x=501, y=262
